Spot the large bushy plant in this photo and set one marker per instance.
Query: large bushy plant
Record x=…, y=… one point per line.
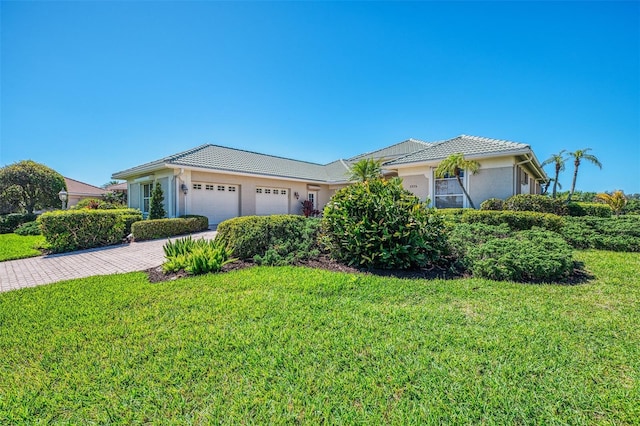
x=535, y=203
x=379, y=224
x=271, y=240
x=195, y=256
x=29, y=186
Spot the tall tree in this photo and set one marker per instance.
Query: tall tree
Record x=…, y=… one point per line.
x=156, y=208
x=558, y=160
x=29, y=185
x=453, y=165
x=578, y=156
x=366, y=169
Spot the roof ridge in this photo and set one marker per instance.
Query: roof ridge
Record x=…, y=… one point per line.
x=484, y=138
x=83, y=183
x=389, y=146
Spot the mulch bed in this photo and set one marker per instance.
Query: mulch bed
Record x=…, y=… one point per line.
x=579, y=275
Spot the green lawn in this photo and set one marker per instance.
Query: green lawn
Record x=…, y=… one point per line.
x=13, y=246
x=296, y=345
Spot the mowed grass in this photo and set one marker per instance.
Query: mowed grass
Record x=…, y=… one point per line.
x=13, y=246
x=296, y=345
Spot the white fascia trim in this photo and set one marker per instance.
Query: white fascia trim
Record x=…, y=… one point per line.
x=432, y=161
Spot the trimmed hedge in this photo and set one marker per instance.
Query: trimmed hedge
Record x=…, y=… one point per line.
x=69, y=230
x=271, y=240
x=613, y=233
x=589, y=209
x=536, y=203
x=162, y=228
x=517, y=220
x=498, y=253
x=10, y=222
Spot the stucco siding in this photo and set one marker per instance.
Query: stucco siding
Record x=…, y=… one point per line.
x=134, y=196
x=418, y=184
x=491, y=183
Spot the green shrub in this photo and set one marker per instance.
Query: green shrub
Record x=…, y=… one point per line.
x=589, y=209
x=379, y=224
x=29, y=228
x=97, y=203
x=517, y=220
x=10, y=222
x=162, y=228
x=492, y=204
x=195, y=256
x=535, y=203
x=497, y=252
x=271, y=240
x=529, y=256
x=613, y=233
x=68, y=230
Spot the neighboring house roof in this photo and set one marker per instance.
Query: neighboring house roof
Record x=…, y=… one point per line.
x=223, y=159
x=220, y=158
x=117, y=187
x=75, y=187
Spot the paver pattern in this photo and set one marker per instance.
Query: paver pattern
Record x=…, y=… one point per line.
x=35, y=271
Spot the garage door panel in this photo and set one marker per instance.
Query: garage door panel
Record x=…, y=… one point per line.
x=218, y=202
x=272, y=201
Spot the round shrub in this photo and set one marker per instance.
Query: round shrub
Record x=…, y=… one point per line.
x=536, y=203
x=379, y=224
x=527, y=256
x=29, y=228
x=492, y=204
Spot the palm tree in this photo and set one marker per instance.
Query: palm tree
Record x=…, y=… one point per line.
x=578, y=156
x=616, y=201
x=453, y=165
x=558, y=161
x=366, y=169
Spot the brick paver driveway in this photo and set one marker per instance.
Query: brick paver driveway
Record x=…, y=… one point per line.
x=15, y=274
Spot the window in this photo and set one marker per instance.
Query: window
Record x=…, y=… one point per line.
x=258, y=190
x=220, y=187
x=283, y=192
x=232, y=189
x=208, y=187
x=276, y=192
x=197, y=186
x=267, y=191
x=312, y=197
x=448, y=193
x=524, y=177
x=146, y=197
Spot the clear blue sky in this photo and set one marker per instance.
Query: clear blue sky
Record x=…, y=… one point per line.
x=91, y=88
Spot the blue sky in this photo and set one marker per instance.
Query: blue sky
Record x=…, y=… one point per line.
x=91, y=88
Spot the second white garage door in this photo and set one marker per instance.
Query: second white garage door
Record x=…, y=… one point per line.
x=217, y=201
x=272, y=201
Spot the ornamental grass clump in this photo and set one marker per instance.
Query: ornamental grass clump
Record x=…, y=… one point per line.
x=195, y=256
x=378, y=224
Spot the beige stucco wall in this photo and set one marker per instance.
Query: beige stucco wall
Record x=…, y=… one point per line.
x=490, y=183
x=419, y=184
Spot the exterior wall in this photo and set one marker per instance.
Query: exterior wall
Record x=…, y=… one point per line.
x=490, y=183
x=419, y=184
x=134, y=200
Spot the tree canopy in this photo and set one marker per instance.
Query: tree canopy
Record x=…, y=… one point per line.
x=28, y=186
x=366, y=169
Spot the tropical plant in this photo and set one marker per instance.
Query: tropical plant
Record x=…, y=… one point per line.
x=617, y=201
x=156, y=209
x=558, y=160
x=453, y=166
x=30, y=186
x=578, y=156
x=196, y=256
x=366, y=169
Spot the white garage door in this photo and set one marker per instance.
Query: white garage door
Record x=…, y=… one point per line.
x=217, y=201
x=272, y=201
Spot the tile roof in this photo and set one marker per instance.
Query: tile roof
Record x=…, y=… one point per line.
x=221, y=158
x=80, y=188
x=397, y=150
x=465, y=144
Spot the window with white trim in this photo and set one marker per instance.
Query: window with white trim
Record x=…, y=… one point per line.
x=147, y=188
x=448, y=193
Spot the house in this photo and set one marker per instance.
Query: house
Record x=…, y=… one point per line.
x=221, y=182
x=77, y=191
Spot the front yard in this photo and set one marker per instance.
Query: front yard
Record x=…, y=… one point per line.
x=14, y=246
x=285, y=345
